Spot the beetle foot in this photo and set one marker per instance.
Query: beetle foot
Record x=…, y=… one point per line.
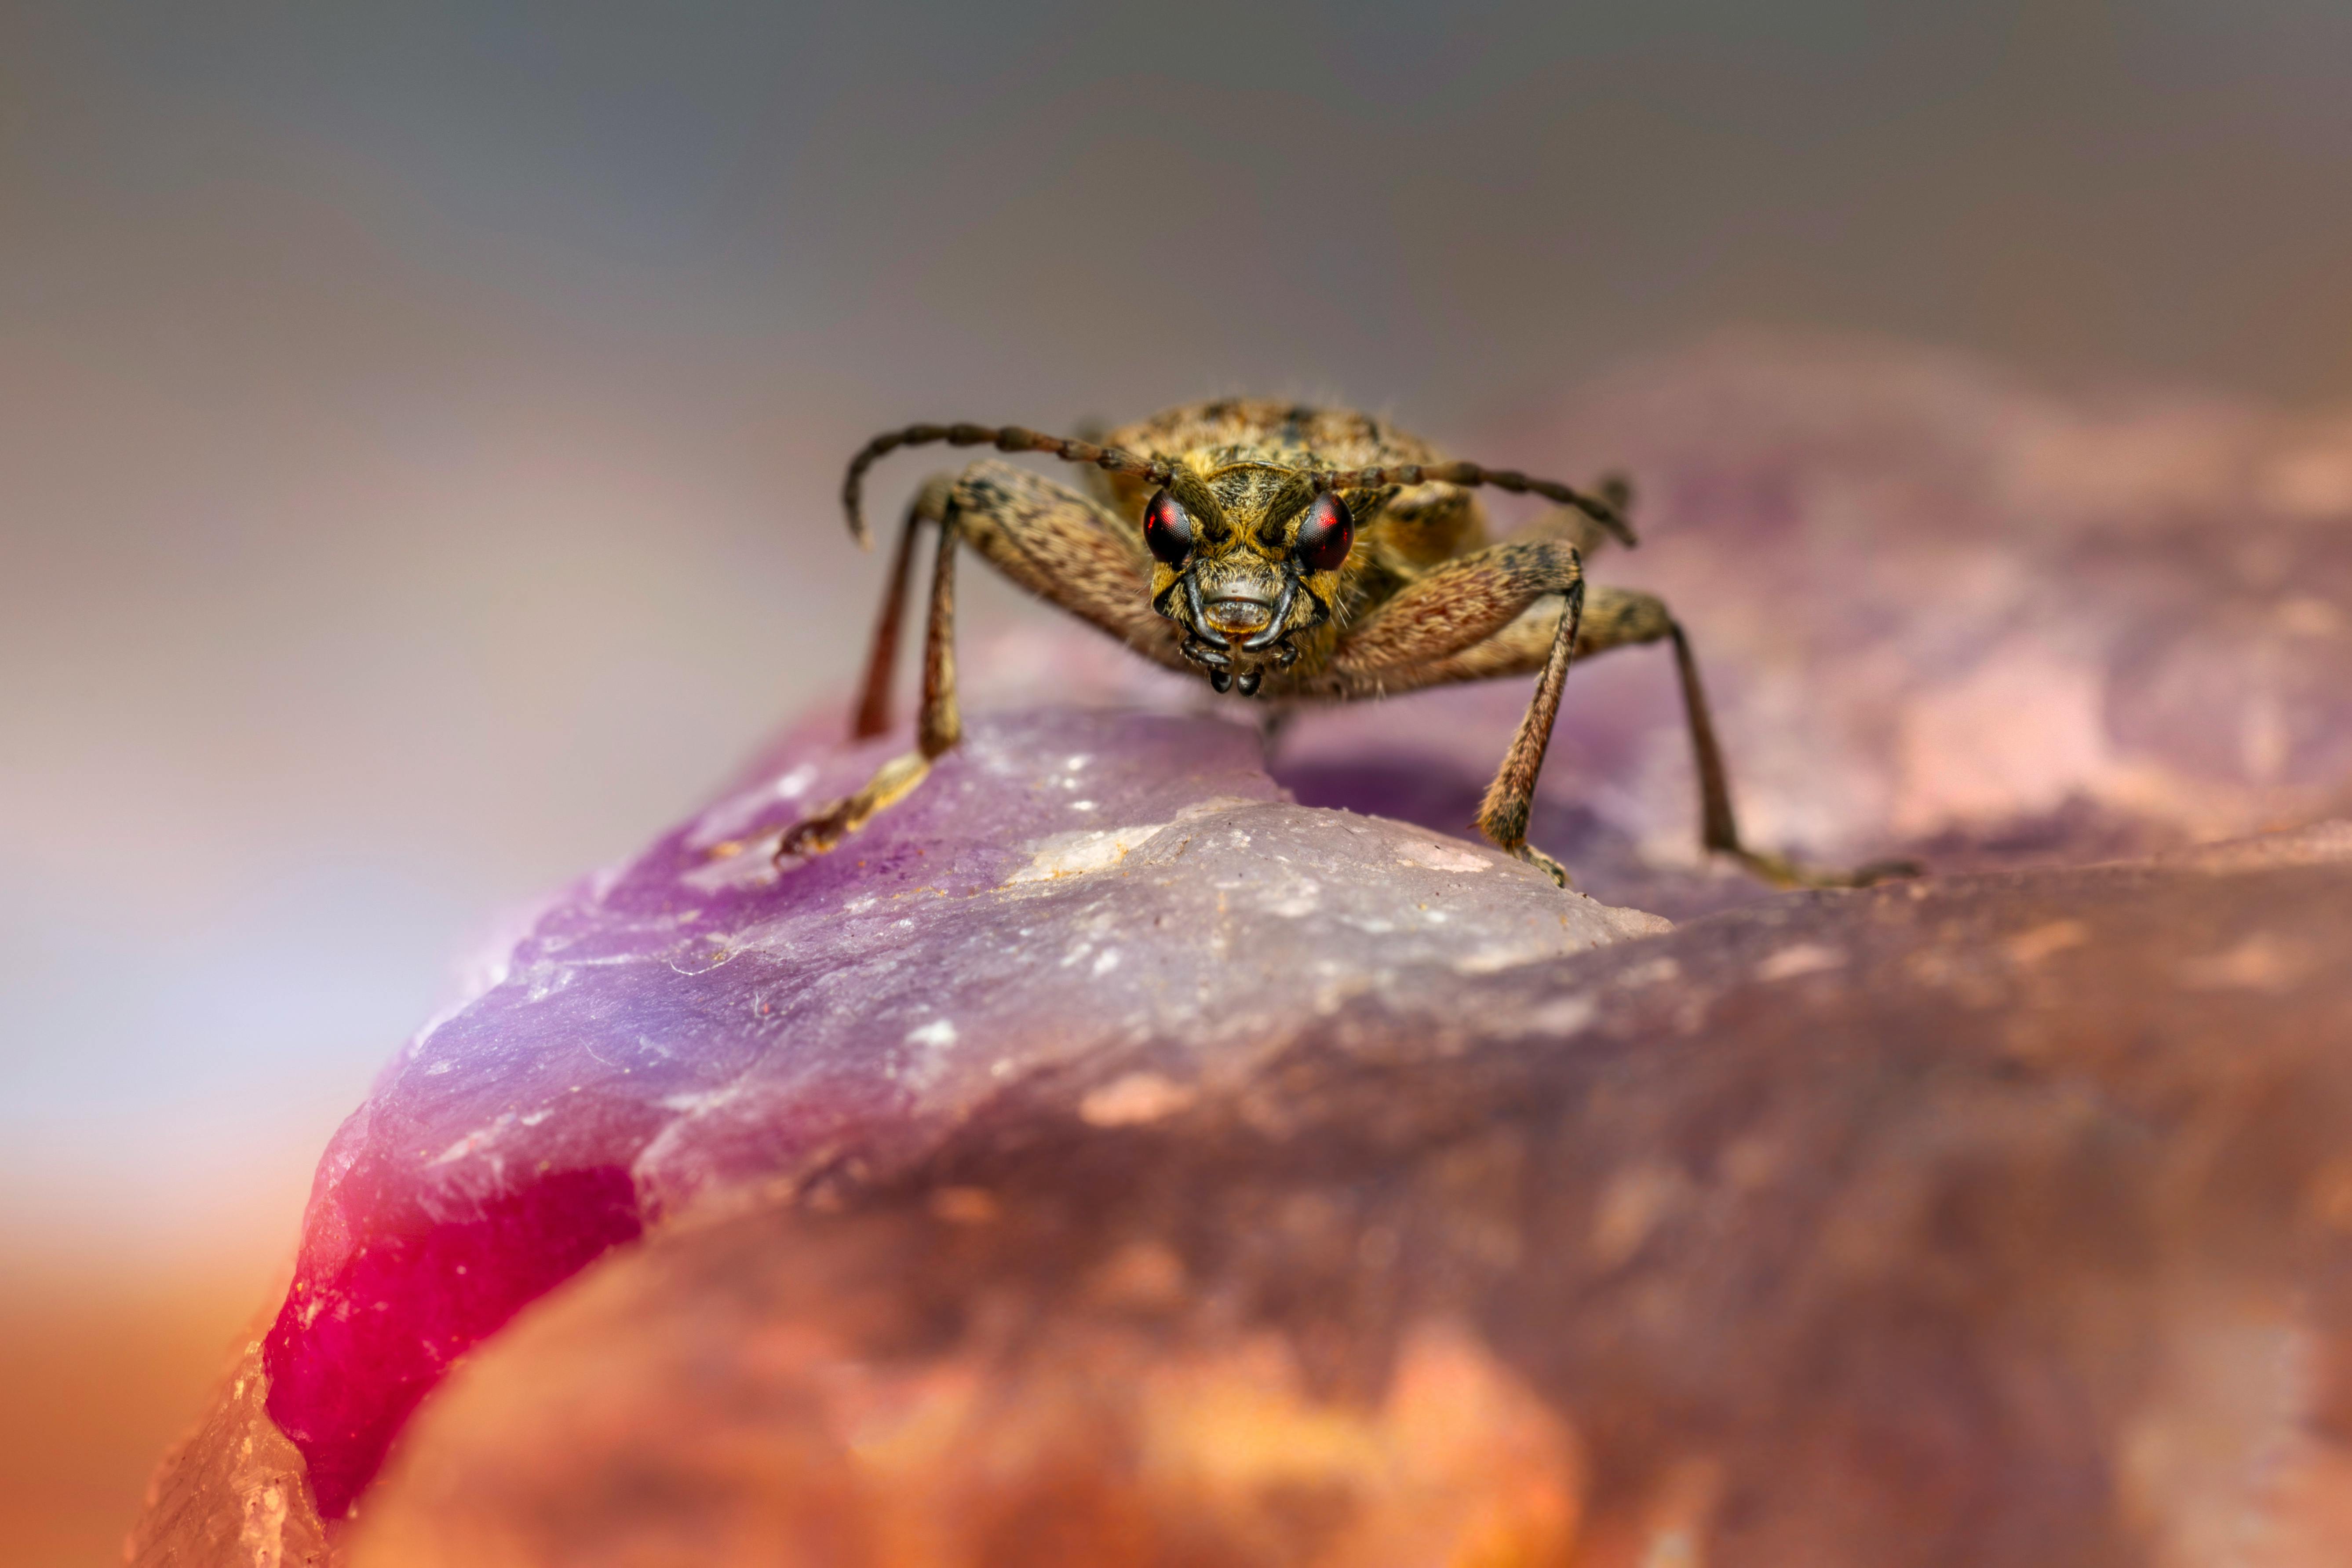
x=1545, y=863
x=818, y=834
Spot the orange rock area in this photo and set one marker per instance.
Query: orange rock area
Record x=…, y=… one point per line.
x=1100, y=1445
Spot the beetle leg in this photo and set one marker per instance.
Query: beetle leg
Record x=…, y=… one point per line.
x=939, y=726
x=1618, y=617
x=1463, y=605
x=1443, y=612
x=1067, y=550
x=1049, y=540
x=1718, y=829
x=882, y=663
x=1503, y=815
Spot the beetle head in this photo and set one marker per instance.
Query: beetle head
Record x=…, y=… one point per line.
x=1246, y=560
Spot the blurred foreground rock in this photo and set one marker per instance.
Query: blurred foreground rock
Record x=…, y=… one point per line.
x=1105, y=1160
x=2005, y=1221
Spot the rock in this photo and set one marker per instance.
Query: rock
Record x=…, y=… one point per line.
x=1943, y=613
x=1933, y=1224
x=1122, y=900
x=233, y=1490
x=1105, y=1156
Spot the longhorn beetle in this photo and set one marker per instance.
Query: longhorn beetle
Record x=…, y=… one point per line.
x=1288, y=551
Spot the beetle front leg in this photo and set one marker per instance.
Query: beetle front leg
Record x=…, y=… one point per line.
x=938, y=727
x=1067, y=550
x=1503, y=815
x=1446, y=616
x=1050, y=539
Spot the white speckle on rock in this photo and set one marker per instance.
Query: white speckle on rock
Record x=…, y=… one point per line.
x=1077, y=854
x=1296, y=901
x=1438, y=856
x=1564, y=1014
x=2028, y=948
x=473, y=1143
x=1656, y=972
x=1139, y=1097
x=1106, y=961
x=794, y=785
x=1509, y=955
x=2261, y=962
x=939, y=1034
x=1082, y=806
x=1632, y=1206
x=1803, y=958
x=438, y=1069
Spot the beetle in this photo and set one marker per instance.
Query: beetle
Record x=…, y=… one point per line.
x=1284, y=551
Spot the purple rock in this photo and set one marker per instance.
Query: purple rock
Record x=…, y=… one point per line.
x=1120, y=891
x=1943, y=613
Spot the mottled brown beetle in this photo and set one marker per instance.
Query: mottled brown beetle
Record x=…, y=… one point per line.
x=1287, y=552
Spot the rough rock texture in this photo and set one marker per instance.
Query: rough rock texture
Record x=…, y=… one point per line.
x=1070, y=891
x=1052, y=1175
x=235, y=1490
x=2003, y=1221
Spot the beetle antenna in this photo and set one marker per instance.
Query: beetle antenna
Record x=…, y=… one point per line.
x=1004, y=438
x=1607, y=509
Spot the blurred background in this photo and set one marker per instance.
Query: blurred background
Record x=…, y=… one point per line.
x=419, y=428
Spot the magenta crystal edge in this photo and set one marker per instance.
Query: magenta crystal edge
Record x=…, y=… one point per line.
x=356, y=1347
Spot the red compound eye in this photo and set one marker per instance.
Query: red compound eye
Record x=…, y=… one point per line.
x=1325, y=534
x=1167, y=528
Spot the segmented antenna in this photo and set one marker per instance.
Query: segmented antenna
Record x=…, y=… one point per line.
x=1004, y=438
x=1607, y=511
